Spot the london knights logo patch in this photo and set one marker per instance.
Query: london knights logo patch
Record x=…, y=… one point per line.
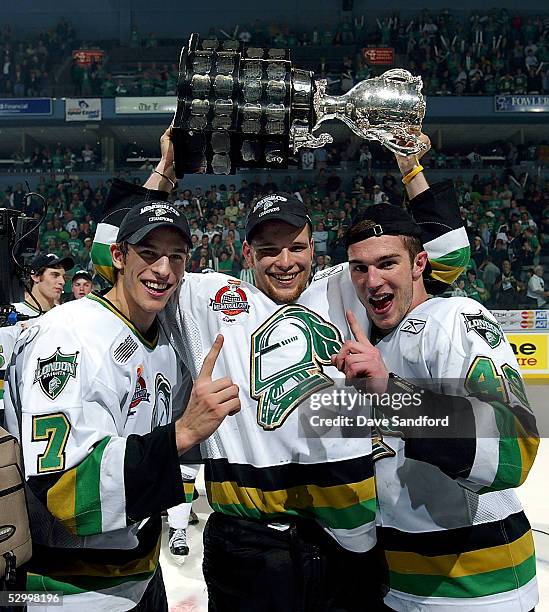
x=487, y=329
x=288, y=354
x=53, y=373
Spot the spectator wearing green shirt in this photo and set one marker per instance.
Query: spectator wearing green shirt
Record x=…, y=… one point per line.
x=108, y=87
x=75, y=244
x=232, y=240
x=146, y=85
x=232, y=209
x=84, y=255
x=47, y=234
x=475, y=288
x=171, y=80
x=61, y=232
x=531, y=237
x=505, y=84
x=226, y=260
x=52, y=246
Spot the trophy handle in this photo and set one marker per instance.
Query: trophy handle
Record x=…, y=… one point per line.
x=301, y=137
x=403, y=76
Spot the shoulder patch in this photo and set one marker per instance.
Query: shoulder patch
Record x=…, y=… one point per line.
x=413, y=326
x=125, y=350
x=487, y=329
x=328, y=272
x=53, y=372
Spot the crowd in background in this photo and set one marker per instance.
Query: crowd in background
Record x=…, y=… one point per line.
x=488, y=53
x=506, y=216
x=57, y=158
x=27, y=65
x=482, y=53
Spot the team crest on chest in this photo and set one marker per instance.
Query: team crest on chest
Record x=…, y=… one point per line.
x=54, y=372
x=487, y=329
x=230, y=300
x=288, y=354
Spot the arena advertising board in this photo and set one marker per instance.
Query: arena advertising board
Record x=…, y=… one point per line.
x=145, y=105
x=85, y=57
x=83, y=109
x=519, y=320
x=10, y=107
x=531, y=351
x=521, y=104
x=379, y=56
x=528, y=334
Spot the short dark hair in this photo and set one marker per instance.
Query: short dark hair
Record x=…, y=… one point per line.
x=413, y=245
x=41, y=271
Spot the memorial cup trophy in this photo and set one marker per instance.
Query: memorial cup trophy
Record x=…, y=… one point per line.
x=244, y=107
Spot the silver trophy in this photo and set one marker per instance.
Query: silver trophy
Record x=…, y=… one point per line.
x=246, y=107
x=388, y=108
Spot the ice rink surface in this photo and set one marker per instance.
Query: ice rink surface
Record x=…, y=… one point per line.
x=187, y=592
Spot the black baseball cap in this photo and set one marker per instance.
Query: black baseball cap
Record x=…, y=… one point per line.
x=281, y=206
x=81, y=274
x=50, y=260
x=379, y=220
x=144, y=217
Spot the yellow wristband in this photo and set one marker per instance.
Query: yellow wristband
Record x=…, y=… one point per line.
x=408, y=177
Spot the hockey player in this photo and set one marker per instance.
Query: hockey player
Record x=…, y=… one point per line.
x=48, y=279
x=90, y=395
x=454, y=533
x=303, y=506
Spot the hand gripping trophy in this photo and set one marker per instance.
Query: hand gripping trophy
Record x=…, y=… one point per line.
x=247, y=107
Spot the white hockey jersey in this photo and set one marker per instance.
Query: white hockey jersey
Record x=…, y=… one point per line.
x=262, y=464
x=8, y=338
x=82, y=381
x=448, y=547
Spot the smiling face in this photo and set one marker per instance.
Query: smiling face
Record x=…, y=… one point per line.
x=148, y=274
x=386, y=281
x=281, y=256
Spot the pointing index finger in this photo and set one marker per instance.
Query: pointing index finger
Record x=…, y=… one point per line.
x=358, y=332
x=209, y=362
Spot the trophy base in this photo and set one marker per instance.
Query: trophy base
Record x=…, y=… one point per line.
x=223, y=152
